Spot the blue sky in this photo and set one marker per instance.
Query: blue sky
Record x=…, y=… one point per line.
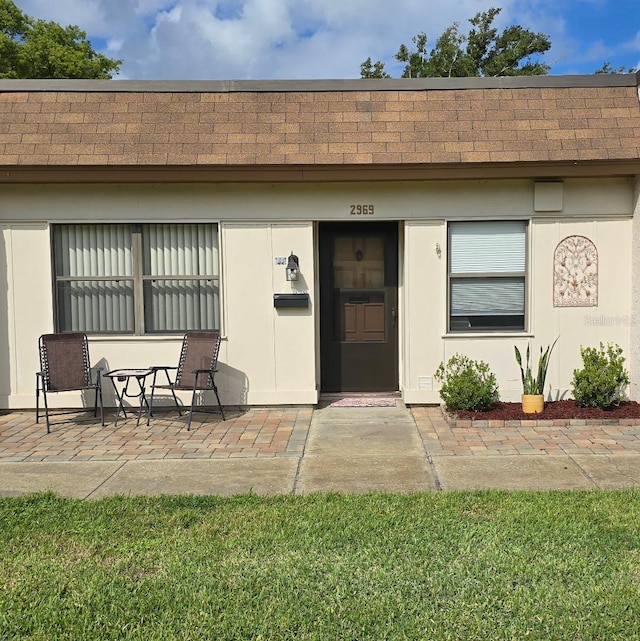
x=602, y=31
x=265, y=39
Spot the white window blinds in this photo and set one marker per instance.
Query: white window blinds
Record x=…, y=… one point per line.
x=94, y=269
x=487, y=247
x=487, y=264
x=487, y=297
x=174, y=303
x=106, y=281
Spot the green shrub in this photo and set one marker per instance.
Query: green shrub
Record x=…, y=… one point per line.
x=603, y=379
x=467, y=384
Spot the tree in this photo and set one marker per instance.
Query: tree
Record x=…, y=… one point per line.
x=32, y=48
x=607, y=68
x=482, y=52
x=370, y=70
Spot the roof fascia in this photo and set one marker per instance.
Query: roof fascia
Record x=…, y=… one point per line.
x=283, y=86
x=315, y=174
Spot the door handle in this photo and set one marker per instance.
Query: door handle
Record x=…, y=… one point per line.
x=393, y=317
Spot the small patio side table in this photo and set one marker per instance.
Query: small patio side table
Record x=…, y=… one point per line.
x=126, y=376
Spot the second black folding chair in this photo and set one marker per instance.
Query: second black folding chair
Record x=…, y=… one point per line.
x=195, y=372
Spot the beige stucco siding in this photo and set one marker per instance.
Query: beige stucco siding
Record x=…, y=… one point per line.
x=26, y=296
x=271, y=356
x=470, y=199
x=425, y=296
x=635, y=295
x=581, y=326
x=271, y=353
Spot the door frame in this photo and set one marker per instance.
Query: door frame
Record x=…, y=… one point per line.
x=326, y=231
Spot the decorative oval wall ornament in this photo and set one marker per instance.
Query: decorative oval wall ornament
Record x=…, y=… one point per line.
x=575, y=273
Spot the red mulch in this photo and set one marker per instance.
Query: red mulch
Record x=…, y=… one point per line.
x=553, y=409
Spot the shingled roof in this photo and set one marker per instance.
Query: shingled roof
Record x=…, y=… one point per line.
x=331, y=130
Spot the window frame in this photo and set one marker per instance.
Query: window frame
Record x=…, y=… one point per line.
x=138, y=278
x=488, y=275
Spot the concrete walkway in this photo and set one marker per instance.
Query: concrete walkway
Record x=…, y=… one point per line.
x=301, y=450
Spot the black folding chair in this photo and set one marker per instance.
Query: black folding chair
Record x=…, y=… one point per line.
x=65, y=367
x=195, y=372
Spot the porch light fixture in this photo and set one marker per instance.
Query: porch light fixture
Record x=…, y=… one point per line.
x=293, y=267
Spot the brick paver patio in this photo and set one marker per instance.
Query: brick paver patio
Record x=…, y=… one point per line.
x=440, y=439
x=246, y=433
x=276, y=432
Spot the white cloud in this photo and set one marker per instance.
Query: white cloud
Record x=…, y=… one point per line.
x=227, y=39
x=252, y=38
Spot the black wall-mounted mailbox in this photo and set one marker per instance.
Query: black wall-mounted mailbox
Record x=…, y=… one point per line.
x=290, y=301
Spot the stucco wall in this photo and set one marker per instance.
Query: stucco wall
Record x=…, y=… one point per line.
x=270, y=352
x=311, y=202
x=271, y=356
x=25, y=294
x=634, y=361
x=425, y=303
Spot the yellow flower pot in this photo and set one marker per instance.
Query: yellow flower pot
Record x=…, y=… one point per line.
x=532, y=403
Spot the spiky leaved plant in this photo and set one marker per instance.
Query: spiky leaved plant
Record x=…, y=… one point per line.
x=534, y=384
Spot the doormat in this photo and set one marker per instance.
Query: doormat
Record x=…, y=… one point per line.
x=364, y=402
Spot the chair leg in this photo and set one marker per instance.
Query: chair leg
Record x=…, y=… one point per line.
x=173, y=392
x=153, y=389
x=99, y=393
x=46, y=408
x=175, y=400
x=215, y=390
x=37, y=398
x=193, y=402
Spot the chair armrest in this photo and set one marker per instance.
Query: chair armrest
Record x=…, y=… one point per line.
x=154, y=369
x=204, y=371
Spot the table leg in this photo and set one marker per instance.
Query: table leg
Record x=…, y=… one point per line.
x=120, y=397
x=143, y=399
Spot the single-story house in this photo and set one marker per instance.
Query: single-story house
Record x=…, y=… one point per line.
x=343, y=235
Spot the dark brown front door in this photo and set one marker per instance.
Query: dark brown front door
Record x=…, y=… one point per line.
x=359, y=307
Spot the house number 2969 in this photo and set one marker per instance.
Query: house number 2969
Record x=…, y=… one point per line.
x=361, y=210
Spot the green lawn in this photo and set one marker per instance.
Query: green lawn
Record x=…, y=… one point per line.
x=480, y=565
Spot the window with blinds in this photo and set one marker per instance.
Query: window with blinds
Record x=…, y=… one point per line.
x=136, y=279
x=487, y=275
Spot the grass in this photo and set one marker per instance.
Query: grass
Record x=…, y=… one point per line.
x=481, y=565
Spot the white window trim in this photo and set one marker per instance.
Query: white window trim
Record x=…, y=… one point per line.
x=139, y=278
x=526, y=331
